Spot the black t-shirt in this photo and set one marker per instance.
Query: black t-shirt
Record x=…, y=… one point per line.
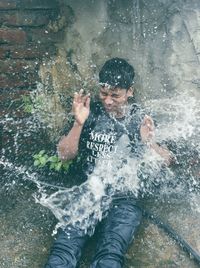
x=100, y=135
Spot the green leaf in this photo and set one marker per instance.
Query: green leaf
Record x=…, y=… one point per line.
x=65, y=165
x=43, y=160
x=35, y=156
x=52, y=166
x=41, y=152
x=28, y=108
x=53, y=158
x=36, y=163
x=58, y=166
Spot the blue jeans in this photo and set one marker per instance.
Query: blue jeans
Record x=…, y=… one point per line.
x=116, y=233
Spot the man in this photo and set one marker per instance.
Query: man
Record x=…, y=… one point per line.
x=94, y=134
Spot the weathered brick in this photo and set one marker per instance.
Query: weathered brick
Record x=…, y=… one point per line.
x=27, y=77
x=38, y=4
x=28, y=51
x=8, y=4
x=18, y=66
x=32, y=52
x=12, y=99
x=15, y=81
x=12, y=36
x=4, y=52
x=6, y=95
x=27, y=18
x=44, y=36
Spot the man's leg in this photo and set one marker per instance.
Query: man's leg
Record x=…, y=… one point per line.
x=66, y=250
x=116, y=234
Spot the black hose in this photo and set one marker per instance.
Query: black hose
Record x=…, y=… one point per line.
x=172, y=233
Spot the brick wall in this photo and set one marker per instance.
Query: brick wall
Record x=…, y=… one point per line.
x=27, y=35
x=25, y=38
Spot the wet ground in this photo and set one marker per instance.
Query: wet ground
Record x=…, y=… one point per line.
x=26, y=227
x=26, y=233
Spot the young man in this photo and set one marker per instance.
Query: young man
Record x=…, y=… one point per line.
x=97, y=128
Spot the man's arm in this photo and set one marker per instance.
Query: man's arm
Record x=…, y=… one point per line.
x=68, y=145
x=163, y=152
x=147, y=136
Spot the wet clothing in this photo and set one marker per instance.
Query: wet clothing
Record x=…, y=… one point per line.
x=99, y=137
x=115, y=233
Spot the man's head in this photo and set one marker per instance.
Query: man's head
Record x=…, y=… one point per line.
x=116, y=79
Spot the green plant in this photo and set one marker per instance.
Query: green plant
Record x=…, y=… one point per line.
x=31, y=104
x=53, y=162
x=27, y=104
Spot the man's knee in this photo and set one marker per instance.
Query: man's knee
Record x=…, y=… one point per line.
x=66, y=250
x=58, y=262
x=110, y=252
x=62, y=257
x=121, y=224
x=116, y=234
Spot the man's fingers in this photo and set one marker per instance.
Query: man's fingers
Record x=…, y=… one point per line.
x=78, y=96
x=81, y=92
x=80, y=99
x=81, y=96
x=87, y=102
x=148, y=122
x=75, y=97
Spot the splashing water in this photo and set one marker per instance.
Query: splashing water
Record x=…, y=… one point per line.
x=180, y=118
x=86, y=204
x=24, y=174
x=83, y=206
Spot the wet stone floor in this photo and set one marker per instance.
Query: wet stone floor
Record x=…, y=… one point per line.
x=26, y=234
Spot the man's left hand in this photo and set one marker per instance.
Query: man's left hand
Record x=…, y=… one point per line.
x=147, y=130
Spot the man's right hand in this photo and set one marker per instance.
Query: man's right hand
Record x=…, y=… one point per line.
x=81, y=107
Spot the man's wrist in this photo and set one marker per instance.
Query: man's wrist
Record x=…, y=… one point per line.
x=78, y=124
x=153, y=145
x=150, y=143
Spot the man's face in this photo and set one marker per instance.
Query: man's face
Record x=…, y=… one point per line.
x=114, y=100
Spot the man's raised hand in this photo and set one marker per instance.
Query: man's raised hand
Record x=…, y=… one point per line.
x=147, y=130
x=81, y=107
